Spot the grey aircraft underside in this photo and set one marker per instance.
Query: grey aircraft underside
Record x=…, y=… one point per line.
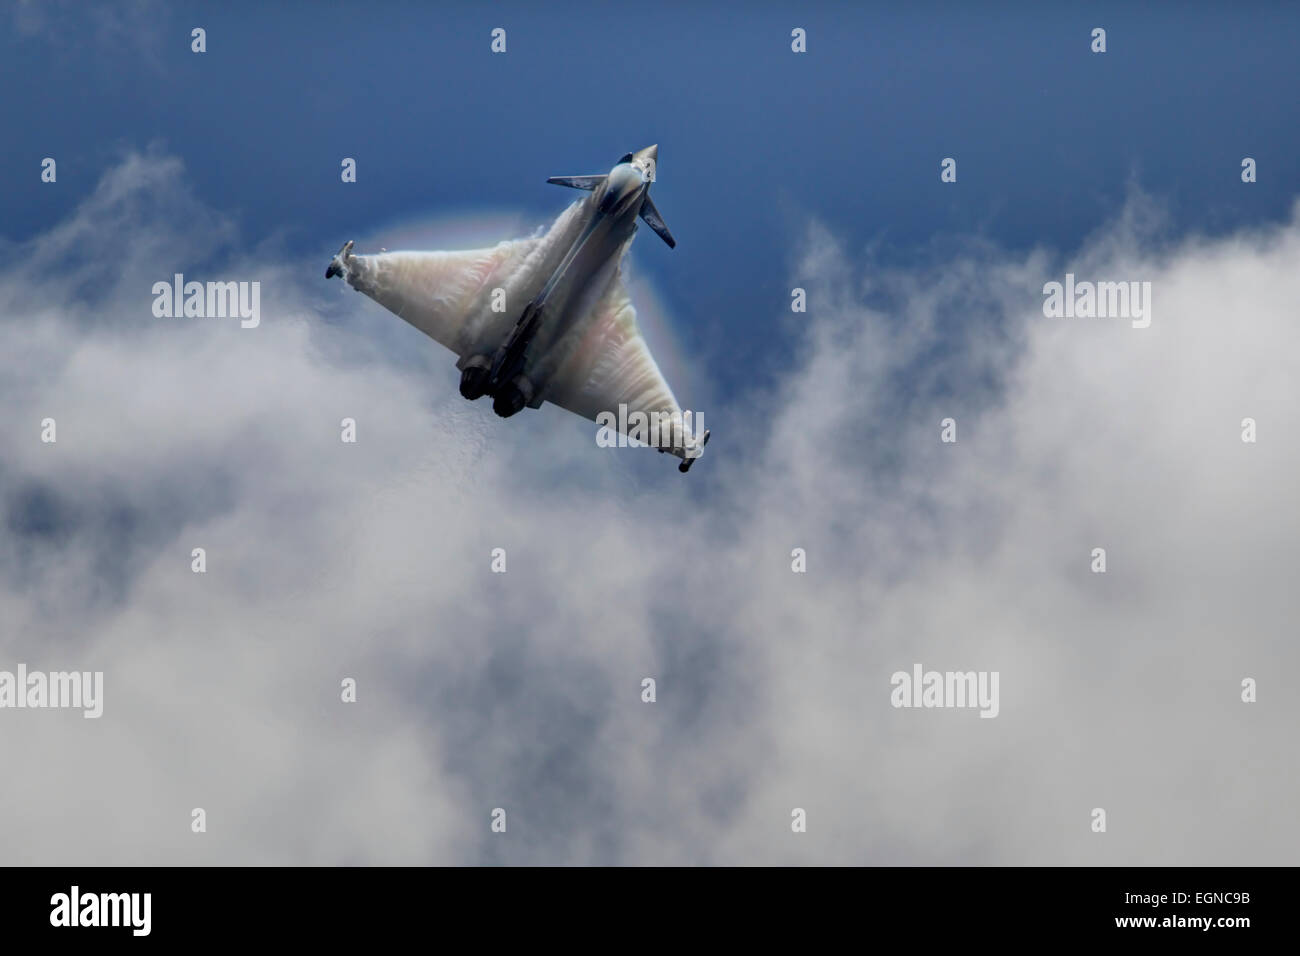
x=545, y=319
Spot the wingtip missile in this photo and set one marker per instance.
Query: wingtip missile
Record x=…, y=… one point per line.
x=689, y=459
x=339, y=264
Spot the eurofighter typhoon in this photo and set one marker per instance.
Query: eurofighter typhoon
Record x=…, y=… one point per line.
x=546, y=319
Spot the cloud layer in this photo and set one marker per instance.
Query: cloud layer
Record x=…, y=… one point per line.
x=523, y=690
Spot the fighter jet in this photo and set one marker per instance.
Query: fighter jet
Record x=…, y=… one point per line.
x=546, y=319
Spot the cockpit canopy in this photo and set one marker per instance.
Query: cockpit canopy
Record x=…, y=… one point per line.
x=624, y=181
x=643, y=160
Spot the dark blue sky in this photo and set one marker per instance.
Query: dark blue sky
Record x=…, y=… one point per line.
x=329, y=560
x=754, y=140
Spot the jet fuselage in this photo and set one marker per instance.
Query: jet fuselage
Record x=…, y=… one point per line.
x=547, y=318
x=515, y=374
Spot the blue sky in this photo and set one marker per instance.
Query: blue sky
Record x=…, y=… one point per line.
x=329, y=560
x=754, y=139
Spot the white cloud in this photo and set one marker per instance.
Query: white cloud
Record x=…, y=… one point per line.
x=523, y=690
x=78, y=30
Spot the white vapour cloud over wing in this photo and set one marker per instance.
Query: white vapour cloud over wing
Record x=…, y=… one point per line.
x=604, y=363
x=448, y=295
x=611, y=365
x=435, y=291
x=522, y=690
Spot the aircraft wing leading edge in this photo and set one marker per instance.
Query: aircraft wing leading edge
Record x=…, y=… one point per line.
x=611, y=366
x=437, y=292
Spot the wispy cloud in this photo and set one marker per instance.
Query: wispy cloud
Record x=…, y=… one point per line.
x=523, y=690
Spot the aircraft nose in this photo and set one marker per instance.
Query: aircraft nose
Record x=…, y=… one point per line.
x=622, y=183
x=650, y=152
